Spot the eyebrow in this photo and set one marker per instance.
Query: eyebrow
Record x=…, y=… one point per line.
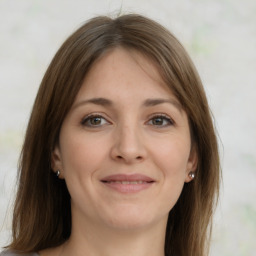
x=154, y=102
x=96, y=101
x=147, y=103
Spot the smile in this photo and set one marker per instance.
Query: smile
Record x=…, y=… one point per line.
x=128, y=183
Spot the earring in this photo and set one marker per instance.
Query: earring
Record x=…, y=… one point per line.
x=191, y=175
x=57, y=173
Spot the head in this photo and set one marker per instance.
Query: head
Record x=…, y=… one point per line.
x=189, y=221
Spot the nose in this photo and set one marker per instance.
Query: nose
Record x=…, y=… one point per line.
x=128, y=145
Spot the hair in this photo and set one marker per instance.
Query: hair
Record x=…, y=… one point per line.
x=42, y=212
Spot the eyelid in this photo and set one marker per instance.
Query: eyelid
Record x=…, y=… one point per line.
x=93, y=115
x=162, y=115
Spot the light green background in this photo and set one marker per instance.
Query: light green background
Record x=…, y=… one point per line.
x=220, y=35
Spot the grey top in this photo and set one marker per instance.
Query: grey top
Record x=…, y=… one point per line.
x=10, y=253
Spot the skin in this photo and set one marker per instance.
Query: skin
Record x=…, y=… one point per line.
x=129, y=132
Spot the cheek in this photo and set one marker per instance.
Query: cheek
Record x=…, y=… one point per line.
x=80, y=156
x=172, y=156
x=171, y=159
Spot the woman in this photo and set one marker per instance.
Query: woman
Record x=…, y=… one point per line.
x=120, y=155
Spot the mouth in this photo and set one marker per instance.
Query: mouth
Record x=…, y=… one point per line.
x=128, y=183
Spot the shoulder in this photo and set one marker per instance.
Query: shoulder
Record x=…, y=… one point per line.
x=10, y=253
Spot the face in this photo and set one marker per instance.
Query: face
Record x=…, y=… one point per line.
x=124, y=148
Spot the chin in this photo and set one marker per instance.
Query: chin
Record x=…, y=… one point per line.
x=133, y=219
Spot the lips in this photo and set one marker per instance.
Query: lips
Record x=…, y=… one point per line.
x=128, y=183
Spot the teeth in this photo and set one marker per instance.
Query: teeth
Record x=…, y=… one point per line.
x=128, y=182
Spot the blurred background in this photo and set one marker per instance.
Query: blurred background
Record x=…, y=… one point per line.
x=220, y=36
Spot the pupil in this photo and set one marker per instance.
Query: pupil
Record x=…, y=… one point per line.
x=96, y=120
x=158, y=121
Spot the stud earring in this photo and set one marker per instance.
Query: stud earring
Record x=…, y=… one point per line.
x=57, y=173
x=191, y=175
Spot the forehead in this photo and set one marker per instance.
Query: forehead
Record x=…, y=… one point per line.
x=123, y=70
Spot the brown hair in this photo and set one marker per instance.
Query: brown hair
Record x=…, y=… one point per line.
x=42, y=216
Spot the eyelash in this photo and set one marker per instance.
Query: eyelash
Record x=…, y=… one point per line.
x=90, y=117
x=163, y=117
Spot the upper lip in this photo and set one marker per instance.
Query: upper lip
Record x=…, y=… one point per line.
x=127, y=177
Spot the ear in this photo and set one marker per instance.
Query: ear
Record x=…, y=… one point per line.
x=191, y=164
x=56, y=162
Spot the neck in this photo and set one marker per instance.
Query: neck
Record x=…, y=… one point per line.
x=91, y=240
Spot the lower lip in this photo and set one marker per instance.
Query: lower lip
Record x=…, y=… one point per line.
x=128, y=188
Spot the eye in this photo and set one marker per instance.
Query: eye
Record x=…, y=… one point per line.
x=161, y=120
x=94, y=121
